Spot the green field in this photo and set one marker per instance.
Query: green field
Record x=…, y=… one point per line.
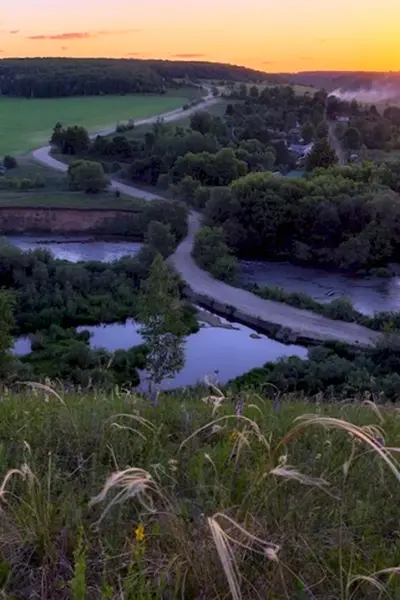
x=26, y=124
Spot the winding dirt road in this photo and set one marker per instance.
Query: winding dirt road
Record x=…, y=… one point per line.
x=302, y=323
x=43, y=155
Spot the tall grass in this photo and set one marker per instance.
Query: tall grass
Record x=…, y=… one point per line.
x=202, y=497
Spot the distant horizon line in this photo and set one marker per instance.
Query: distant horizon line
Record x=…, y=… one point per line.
x=182, y=60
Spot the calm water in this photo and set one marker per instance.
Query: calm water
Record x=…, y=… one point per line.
x=214, y=351
x=221, y=354
x=77, y=248
x=367, y=294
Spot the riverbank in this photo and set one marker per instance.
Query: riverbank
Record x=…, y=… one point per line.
x=56, y=220
x=277, y=320
x=368, y=294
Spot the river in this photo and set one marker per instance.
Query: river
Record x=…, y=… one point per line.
x=221, y=353
x=367, y=294
x=76, y=248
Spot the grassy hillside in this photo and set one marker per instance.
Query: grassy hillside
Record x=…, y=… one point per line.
x=202, y=496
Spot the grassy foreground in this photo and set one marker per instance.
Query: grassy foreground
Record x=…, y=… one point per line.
x=202, y=497
x=26, y=124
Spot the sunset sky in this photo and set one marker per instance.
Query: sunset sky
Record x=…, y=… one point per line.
x=271, y=35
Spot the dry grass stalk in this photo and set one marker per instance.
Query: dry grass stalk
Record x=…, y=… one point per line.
x=132, y=483
x=367, y=435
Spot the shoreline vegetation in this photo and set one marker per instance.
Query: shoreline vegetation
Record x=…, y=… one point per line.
x=212, y=253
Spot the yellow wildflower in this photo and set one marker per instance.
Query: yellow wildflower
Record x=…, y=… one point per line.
x=233, y=436
x=139, y=533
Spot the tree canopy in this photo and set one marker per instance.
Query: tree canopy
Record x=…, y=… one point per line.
x=347, y=217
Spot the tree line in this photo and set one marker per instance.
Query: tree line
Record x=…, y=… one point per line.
x=345, y=217
x=62, y=77
x=254, y=135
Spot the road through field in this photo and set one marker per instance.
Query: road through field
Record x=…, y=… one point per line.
x=302, y=323
x=43, y=155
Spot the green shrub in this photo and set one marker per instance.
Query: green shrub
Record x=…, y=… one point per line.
x=25, y=183
x=340, y=309
x=212, y=253
x=10, y=162
x=225, y=268
x=39, y=181
x=87, y=176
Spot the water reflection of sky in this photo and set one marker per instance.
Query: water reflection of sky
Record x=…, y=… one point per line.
x=77, y=248
x=214, y=351
x=368, y=294
x=218, y=353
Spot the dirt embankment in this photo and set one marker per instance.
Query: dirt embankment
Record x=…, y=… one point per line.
x=63, y=220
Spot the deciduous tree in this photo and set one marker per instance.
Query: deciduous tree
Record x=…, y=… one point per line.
x=307, y=132
x=163, y=328
x=87, y=176
x=322, y=155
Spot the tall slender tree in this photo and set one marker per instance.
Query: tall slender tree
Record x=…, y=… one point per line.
x=163, y=328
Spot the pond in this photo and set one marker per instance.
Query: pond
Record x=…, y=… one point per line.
x=367, y=294
x=220, y=353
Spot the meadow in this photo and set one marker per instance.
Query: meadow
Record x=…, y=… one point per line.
x=54, y=192
x=202, y=495
x=26, y=124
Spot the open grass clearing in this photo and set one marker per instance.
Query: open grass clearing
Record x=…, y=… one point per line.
x=55, y=193
x=28, y=168
x=26, y=124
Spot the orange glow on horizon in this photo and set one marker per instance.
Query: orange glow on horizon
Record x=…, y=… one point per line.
x=262, y=34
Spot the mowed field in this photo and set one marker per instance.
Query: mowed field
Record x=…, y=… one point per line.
x=26, y=124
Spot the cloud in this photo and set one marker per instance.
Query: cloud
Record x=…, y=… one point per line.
x=61, y=36
x=187, y=55
x=80, y=35
x=136, y=54
x=13, y=31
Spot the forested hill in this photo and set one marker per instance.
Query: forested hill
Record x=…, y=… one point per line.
x=60, y=77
